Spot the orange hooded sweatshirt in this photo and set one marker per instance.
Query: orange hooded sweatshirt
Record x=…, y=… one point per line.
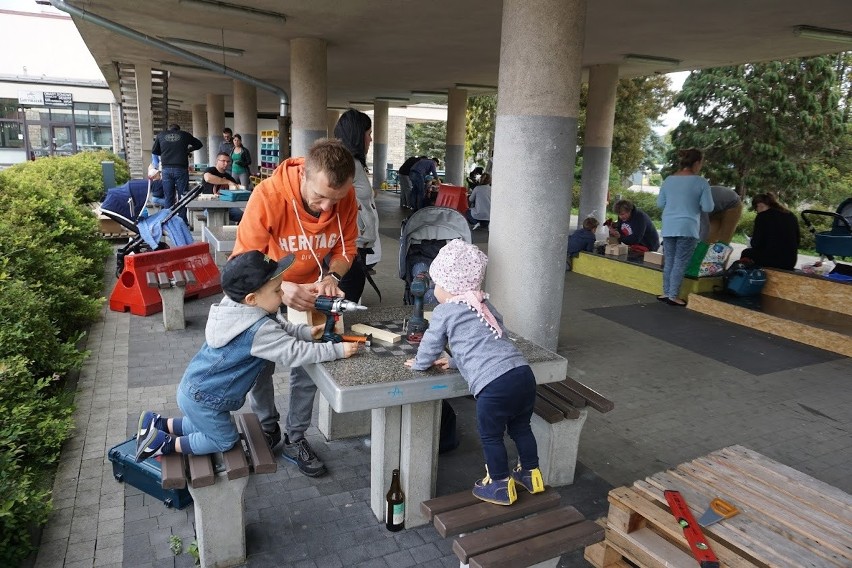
x=271, y=224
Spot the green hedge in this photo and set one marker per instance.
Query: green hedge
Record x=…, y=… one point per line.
x=51, y=283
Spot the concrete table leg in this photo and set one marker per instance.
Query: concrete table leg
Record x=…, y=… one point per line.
x=340, y=425
x=384, y=455
x=220, y=522
x=418, y=462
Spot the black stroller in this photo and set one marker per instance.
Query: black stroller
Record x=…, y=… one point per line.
x=421, y=237
x=126, y=204
x=837, y=241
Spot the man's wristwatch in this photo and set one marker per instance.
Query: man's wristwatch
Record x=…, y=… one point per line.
x=337, y=277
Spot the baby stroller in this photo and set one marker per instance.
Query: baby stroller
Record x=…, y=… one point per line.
x=421, y=237
x=126, y=204
x=837, y=241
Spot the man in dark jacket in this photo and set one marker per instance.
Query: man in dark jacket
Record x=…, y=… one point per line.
x=634, y=227
x=405, y=199
x=174, y=146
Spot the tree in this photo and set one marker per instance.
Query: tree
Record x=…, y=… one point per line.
x=763, y=126
x=426, y=139
x=481, y=120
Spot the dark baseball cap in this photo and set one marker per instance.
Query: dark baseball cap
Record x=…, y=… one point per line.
x=249, y=271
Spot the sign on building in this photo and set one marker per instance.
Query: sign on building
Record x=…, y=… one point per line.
x=45, y=98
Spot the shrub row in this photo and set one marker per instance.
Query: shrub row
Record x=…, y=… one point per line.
x=51, y=282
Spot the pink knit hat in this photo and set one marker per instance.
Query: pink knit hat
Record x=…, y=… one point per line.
x=459, y=267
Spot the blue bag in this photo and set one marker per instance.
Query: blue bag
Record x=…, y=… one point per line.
x=744, y=279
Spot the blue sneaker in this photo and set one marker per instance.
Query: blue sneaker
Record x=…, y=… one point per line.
x=147, y=422
x=152, y=445
x=499, y=492
x=529, y=479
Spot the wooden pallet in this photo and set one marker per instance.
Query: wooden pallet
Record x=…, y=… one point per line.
x=786, y=519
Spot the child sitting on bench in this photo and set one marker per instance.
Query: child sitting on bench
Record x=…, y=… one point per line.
x=498, y=375
x=242, y=337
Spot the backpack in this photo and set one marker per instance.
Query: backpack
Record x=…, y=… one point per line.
x=744, y=279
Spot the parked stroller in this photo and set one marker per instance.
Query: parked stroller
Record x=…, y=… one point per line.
x=126, y=204
x=837, y=241
x=421, y=237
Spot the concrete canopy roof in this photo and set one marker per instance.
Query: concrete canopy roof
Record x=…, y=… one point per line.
x=390, y=48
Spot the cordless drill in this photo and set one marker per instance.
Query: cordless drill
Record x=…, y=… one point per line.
x=417, y=324
x=332, y=307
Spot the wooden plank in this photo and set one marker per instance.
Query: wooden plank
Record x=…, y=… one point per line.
x=602, y=555
x=432, y=507
x=190, y=277
x=201, y=471
x=514, y=531
x=547, y=411
x=151, y=277
x=563, y=406
x=649, y=550
x=482, y=514
x=596, y=400
x=380, y=334
x=752, y=539
x=177, y=277
x=173, y=473
x=569, y=396
x=236, y=463
x=544, y=547
x=663, y=522
x=261, y=456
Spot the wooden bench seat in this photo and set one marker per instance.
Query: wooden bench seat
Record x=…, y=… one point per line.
x=558, y=418
x=535, y=529
x=251, y=454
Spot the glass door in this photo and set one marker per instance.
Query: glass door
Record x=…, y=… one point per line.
x=63, y=145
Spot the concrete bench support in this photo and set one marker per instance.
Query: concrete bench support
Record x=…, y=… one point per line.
x=172, y=289
x=220, y=521
x=557, y=447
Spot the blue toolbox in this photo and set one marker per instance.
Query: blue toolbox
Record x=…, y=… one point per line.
x=146, y=476
x=234, y=194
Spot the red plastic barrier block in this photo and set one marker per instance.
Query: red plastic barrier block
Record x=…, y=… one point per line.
x=132, y=293
x=452, y=196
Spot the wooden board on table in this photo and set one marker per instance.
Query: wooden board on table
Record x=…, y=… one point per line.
x=377, y=333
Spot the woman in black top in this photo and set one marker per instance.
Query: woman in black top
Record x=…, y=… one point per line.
x=775, y=243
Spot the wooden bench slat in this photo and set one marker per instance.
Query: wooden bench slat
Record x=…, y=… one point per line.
x=482, y=514
x=541, y=548
x=236, y=463
x=151, y=277
x=562, y=390
x=201, y=471
x=596, y=400
x=178, y=278
x=444, y=503
x=261, y=456
x=515, y=531
x=563, y=406
x=173, y=472
x=190, y=277
x=547, y=411
x=163, y=280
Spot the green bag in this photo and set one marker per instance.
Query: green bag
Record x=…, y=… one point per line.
x=697, y=258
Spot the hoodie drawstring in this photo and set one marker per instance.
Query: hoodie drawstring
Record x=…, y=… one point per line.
x=307, y=240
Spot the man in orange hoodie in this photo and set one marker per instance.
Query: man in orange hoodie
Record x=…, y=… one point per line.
x=306, y=208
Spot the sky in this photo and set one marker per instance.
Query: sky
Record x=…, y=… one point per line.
x=675, y=115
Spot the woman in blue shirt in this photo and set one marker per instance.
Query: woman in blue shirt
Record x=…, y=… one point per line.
x=683, y=196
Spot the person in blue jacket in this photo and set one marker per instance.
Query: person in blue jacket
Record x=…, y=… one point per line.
x=634, y=227
x=583, y=239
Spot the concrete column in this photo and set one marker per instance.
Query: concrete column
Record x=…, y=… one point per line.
x=332, y=116
x=215, y=124
x=534, y=151
x=597, y=149
x=380, y=143
x=309, y=92
x=199, y=130
x=245, y=118
x=456, y=124
x=146, y=122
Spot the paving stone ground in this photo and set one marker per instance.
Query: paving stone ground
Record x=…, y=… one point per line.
x=673, y=404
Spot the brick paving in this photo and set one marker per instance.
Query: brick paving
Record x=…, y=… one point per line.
x=672, y=405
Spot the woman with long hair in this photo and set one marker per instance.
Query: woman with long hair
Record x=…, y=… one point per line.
x=241, y=159
x=775, y=242
x=683, y=196
x=355, y=130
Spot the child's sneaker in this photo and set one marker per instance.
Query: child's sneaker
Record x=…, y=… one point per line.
x=529, y=479
x=152, y=445
x=147, y=422
x=501, y=492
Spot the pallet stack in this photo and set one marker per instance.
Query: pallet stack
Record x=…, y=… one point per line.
x=786, y=518
x=270, y=152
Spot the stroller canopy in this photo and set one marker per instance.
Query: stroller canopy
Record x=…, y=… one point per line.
x=430, y=224
x=126, y=203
